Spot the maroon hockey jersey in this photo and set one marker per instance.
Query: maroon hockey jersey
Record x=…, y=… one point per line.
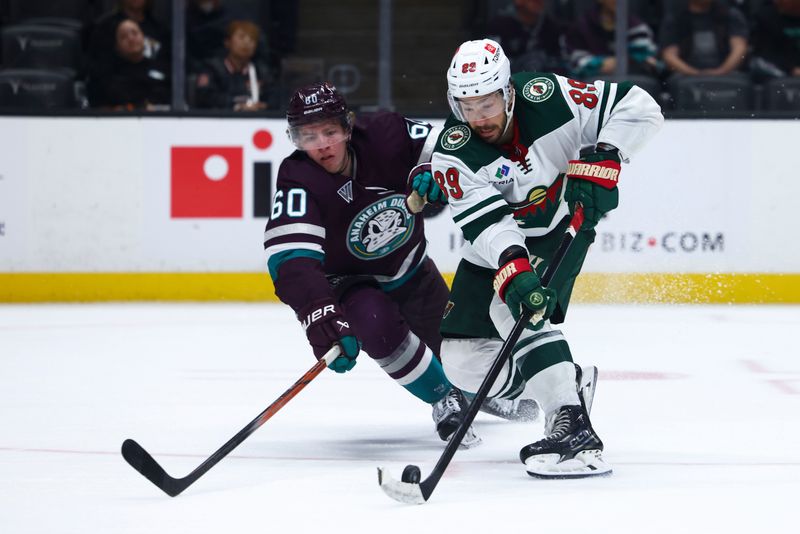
x=326, y=224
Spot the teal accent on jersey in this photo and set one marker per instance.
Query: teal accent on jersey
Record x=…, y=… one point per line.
x=603, y=104
x=473, y=229
x=537, y=119
x=432, y=386
x=276, y=260
x=623, y=89
x=394, y=284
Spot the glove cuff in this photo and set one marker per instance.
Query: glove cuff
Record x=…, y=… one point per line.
x=507, y=272
x=604, y=173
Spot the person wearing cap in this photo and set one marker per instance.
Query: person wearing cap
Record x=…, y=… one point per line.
x=516, y=156
x=349, y=257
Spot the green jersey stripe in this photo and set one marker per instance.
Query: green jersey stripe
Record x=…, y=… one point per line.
x=477, y=207
x=622, y=90
x=603, y=103
x=473, y=229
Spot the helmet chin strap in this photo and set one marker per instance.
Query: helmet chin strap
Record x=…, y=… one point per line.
x=509, y=111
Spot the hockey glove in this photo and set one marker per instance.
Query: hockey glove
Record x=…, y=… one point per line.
x=519, y=287
x=325, y=326
x=421, y=180
x=592, y=181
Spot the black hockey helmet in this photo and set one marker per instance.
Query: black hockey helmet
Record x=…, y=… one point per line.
x=315, y=102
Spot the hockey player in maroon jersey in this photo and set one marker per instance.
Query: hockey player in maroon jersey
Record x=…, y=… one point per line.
x=349, y=257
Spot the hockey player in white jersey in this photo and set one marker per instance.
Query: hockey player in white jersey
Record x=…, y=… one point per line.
x=515, y=156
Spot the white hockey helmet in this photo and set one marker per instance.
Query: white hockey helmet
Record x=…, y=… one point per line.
x=479, y=68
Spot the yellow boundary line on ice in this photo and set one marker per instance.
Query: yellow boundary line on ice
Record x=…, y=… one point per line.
x=739, y=288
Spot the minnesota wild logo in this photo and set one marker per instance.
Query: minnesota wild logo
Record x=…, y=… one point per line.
x=538, y=90
x=455, y=137
x=540, y=206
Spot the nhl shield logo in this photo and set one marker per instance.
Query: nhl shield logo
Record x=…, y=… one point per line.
x=538, y=90
x=456, y=137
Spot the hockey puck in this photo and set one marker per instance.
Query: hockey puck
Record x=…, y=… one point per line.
x=411, y=474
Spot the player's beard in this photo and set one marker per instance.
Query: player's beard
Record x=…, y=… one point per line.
x=489, y=134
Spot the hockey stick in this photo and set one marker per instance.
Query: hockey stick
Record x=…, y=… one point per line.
x=410, y=490
x=141, y=460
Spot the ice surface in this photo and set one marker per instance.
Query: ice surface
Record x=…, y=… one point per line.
x=698, y=407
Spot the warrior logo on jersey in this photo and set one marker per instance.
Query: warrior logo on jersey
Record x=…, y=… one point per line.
x=380, y=228
x=455, y=137
x=540, y=207
x=538, y=90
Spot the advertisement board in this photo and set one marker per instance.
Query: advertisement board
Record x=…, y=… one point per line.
x=192, y=195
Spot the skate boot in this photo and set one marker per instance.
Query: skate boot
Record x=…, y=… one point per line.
x=511, y=410
x=448, y=414
x=571, y=448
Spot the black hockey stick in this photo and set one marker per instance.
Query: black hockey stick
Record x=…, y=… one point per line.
x=410, y=490
x=141, y=460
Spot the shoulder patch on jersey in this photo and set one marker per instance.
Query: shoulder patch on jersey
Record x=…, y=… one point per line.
x=455, y=137
x=538, y=90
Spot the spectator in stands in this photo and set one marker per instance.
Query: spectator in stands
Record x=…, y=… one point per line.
x=206, y=30
x=530, y=37
x=590, y=44
x=776, y=40
x=236, y=81
x=103, y=35
x=130, y=80
x=704, y=38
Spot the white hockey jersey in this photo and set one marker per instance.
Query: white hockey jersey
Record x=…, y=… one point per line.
x=500, y=195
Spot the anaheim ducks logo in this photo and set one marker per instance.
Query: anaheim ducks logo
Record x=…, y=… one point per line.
x=455, y=137
x=380, y=228
x=538, y=90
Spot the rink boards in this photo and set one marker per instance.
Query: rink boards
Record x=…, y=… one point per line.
x=174, y=209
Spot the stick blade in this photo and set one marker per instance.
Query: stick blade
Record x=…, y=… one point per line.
x=140, y=459
x=405, y=492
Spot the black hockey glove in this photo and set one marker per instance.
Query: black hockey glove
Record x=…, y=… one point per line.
x=325, y=326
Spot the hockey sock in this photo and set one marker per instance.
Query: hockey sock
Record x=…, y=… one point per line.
x=432, y=385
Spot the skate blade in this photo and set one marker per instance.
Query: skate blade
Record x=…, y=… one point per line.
x=525, y=410
x=585, y=464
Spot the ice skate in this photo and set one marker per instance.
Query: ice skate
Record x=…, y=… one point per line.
x=511, y=410
x=571, y=448
x=448, y=414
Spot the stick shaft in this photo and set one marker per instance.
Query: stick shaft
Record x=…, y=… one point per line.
x=144, y=463
x=429, y=484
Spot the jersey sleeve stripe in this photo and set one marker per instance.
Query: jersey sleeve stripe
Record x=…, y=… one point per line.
x=296, y=228
x=622, y=90
x=493, y=202
x=474, y=228
x=607, y=88
x=278, y=255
